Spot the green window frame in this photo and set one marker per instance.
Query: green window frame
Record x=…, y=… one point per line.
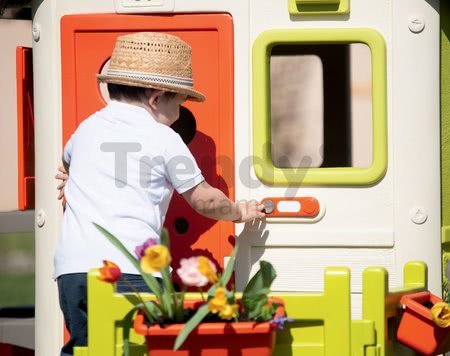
x=335, y=176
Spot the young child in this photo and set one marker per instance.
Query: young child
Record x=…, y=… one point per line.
x=123, y=163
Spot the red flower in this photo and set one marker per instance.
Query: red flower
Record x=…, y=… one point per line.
x=110, y=272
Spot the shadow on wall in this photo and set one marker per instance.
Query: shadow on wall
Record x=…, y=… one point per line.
x=185, y=232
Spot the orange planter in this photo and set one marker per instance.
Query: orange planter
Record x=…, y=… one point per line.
x=417, y=330
x=210, y=339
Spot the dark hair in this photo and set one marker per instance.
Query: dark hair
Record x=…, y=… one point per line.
x=118, y=91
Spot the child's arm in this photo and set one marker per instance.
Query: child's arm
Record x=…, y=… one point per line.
x=63, y=174
x=212, y=203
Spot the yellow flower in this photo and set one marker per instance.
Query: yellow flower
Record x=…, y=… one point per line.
x=216, y=304
x=155, y=258
x=440, y=313
x=229, y=311
x=206, y=267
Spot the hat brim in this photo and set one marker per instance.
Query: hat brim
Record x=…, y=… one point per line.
x=192, y=95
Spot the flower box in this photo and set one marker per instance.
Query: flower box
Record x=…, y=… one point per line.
x=210, y=338
x=417, y=329
x=173, y=332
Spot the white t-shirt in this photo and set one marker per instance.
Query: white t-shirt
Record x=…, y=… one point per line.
x=123, y=168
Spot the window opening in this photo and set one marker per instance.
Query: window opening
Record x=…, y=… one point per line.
x=321, y=105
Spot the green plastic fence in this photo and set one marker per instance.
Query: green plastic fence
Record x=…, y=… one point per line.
x=322, y=326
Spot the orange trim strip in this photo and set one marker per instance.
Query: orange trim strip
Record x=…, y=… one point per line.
x=25, y=128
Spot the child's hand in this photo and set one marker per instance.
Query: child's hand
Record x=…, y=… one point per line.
x=250, y=211
x=63, y=176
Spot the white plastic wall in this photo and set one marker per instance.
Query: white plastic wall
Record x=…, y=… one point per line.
x=363, y=226
x=13, y=33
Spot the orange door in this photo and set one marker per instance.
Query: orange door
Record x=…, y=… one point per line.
x=87, y=42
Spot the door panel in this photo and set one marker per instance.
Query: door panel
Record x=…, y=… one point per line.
x=87, y=43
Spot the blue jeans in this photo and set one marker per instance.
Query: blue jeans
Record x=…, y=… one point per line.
x=72, y=289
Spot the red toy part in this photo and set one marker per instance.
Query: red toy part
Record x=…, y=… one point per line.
x=25, y=128
x=417, y=330
x=12, y=350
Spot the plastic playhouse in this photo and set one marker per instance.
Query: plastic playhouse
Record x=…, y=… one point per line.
x=334, y=113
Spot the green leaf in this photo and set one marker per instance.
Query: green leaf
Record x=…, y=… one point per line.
x=267, y=312
x=167, y=280
x=169, y=289
x=262, y=291
x=115, y=241
x=193, y=322
x=168, y=304
x=262, y=280
x=229, y=268
x=127, y=322
x=229, y=294
x=152, y=283
x=212, y=291
x=165, y=238
x=148, y=278
x=268, y=273
x=180, y=307
x=255, y=295
x=257, y=307
x=168, y=294
x=152, y=310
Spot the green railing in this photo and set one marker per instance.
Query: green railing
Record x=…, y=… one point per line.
x=322, y=321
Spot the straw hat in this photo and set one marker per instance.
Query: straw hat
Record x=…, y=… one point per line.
x=152, y=60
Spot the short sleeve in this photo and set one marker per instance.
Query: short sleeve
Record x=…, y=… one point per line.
x=181, y=168
x=67, y=154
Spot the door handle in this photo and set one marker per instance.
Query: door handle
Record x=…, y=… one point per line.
x=291, y=207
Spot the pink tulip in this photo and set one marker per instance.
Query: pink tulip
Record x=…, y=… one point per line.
x=189, y=273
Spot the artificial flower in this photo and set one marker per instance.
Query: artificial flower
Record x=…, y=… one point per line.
x=228, y=311
x=110, y=272
x=140, y=250
x=208, y=269
x=190, y=274
x=155, y=258
x=279, y=321
x=168, y=306
x=440, y=313
x=216, y=304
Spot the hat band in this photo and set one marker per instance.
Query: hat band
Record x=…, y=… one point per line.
x=150, y=77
